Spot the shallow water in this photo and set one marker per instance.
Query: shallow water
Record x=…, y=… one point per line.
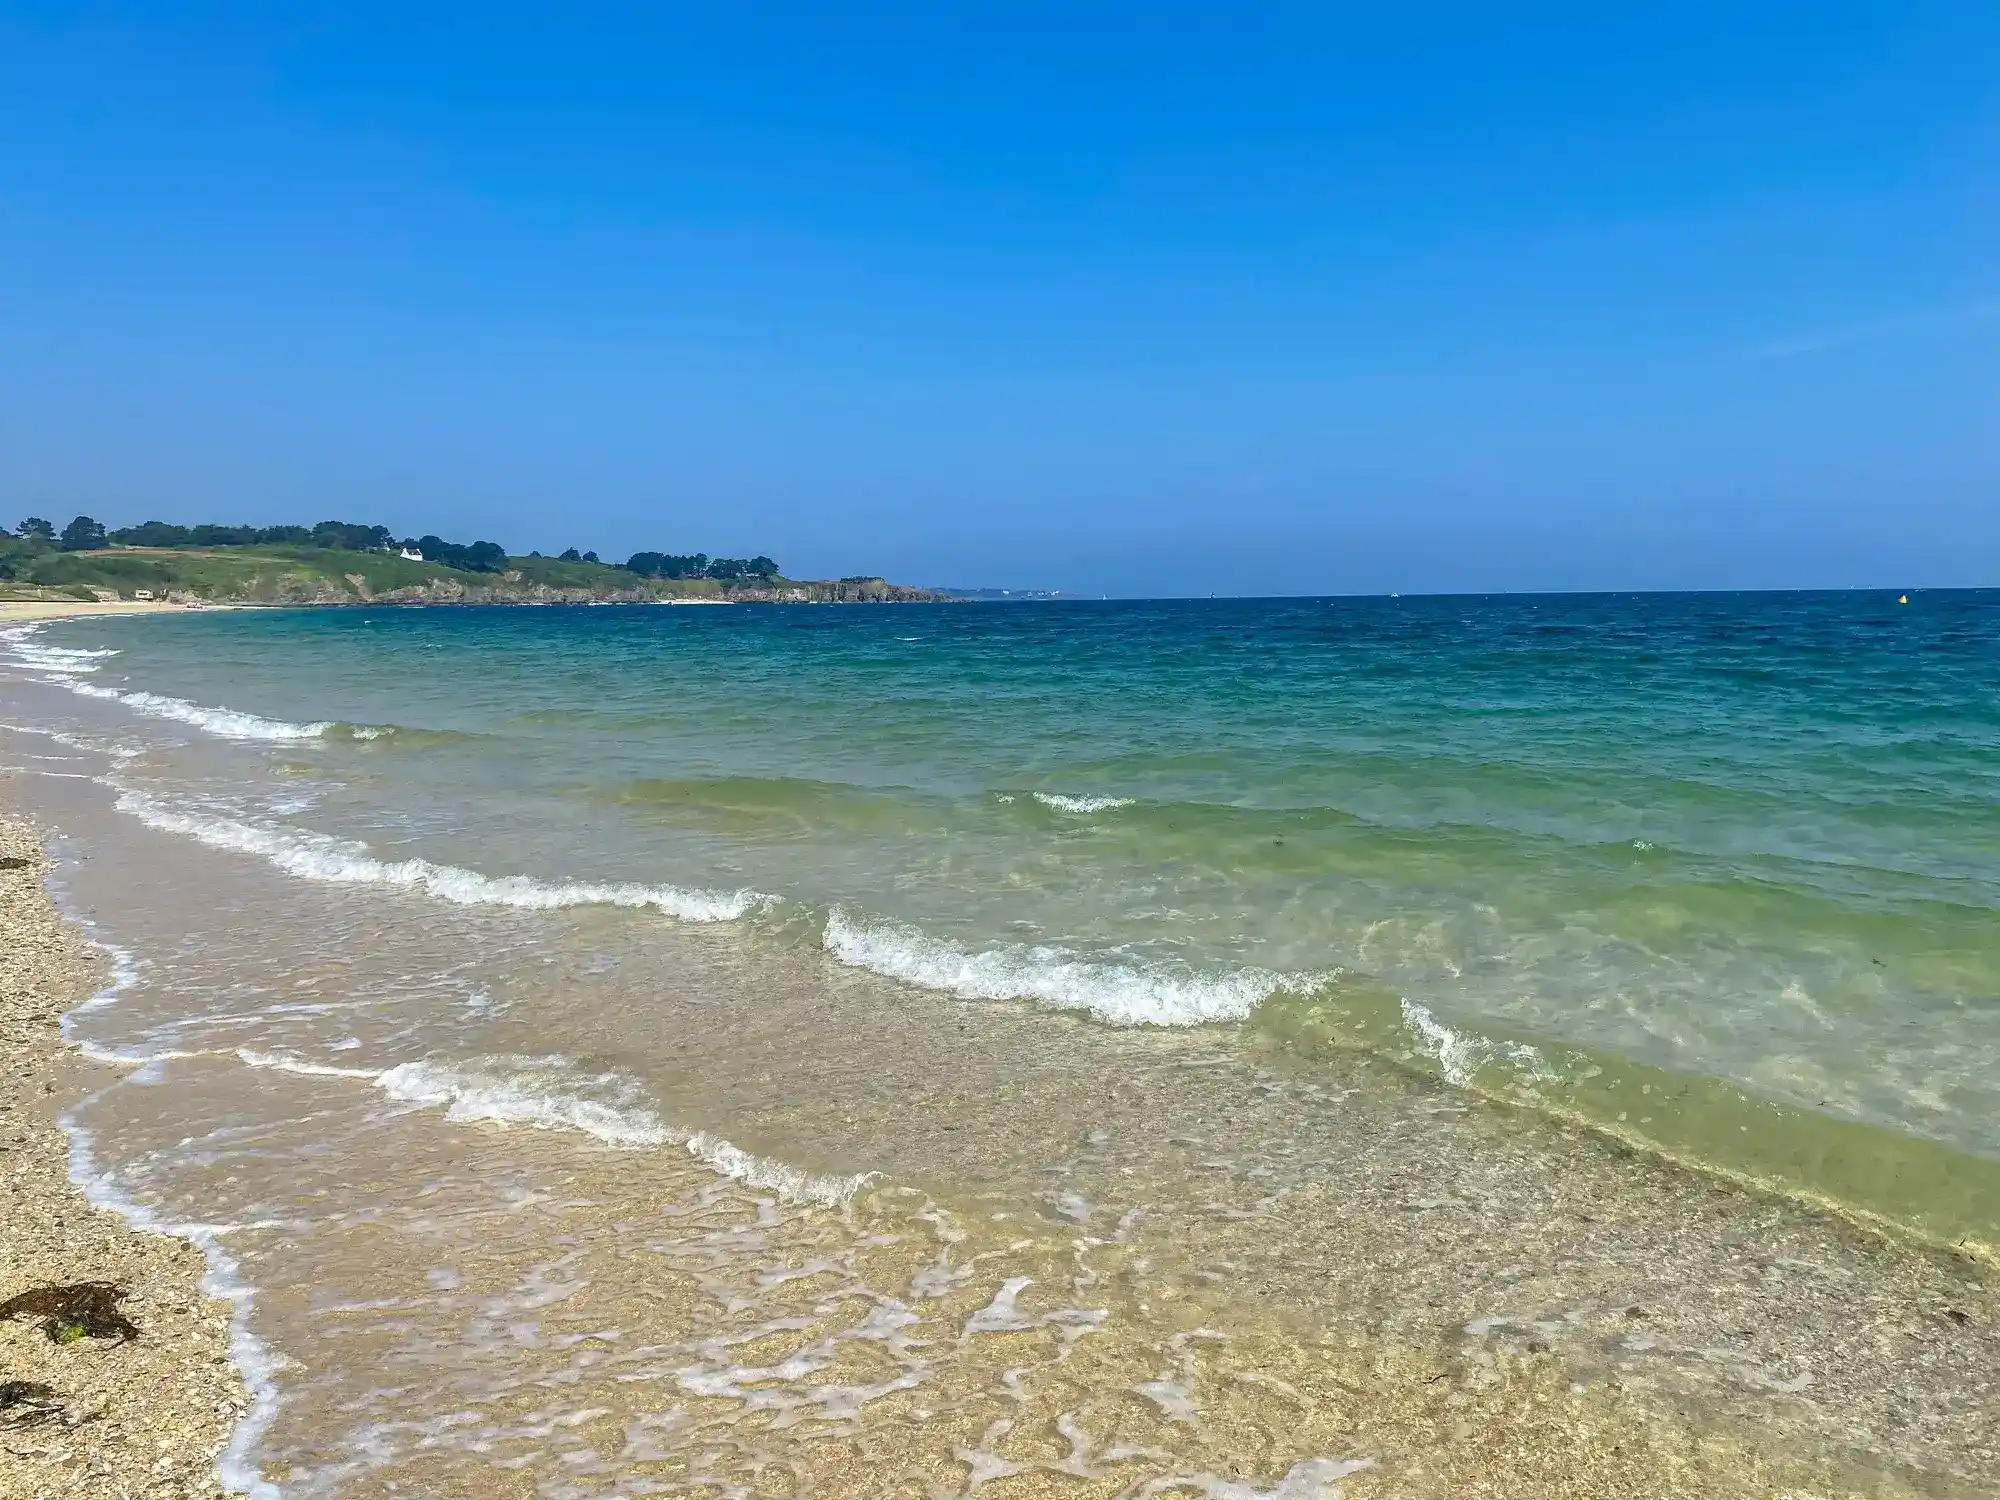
x=876, y=941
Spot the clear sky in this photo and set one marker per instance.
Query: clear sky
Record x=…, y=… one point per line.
x=1154, y=298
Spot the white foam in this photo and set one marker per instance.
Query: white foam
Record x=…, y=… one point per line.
x=1003, y=1315
x=1310, y=1479
x=224, y=723
x=733, y=1162
x=125, y=965
x=1123, y=994
x=116, y=752
x=1062, y=802
x=314, y=856
x=65, y=664
x=548, y=1094
x=287, y=1064
x=52, y=661
x=251, y=1357
x=1460, y=1056
x=238, y=1470
x=1175, y=1401
x=532, y=1091
x=121, y=1058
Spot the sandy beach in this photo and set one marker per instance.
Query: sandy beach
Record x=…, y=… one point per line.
x=87, y=1416
x=17, y=611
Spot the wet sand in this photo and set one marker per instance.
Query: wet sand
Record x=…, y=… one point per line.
x=136, y=1417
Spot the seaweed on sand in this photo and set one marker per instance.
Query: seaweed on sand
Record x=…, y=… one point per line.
x=83, y=1309
x=27, y=1403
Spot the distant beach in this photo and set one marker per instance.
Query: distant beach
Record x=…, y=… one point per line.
x=17, y=610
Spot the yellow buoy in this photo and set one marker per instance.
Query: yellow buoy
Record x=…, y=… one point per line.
x=1902, y=598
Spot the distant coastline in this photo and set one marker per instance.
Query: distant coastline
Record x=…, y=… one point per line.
x=341, y=563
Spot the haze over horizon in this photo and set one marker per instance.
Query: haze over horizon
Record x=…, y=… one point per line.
x=1171, y=300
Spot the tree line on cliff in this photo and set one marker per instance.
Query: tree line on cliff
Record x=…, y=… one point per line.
x=36, y=535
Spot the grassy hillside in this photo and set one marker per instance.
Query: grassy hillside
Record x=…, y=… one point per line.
x=229, y=572
x=325, y=575
x=240, y=573
x=553, y=572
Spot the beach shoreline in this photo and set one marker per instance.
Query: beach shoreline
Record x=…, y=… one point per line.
x=424, y=1091
x=22, y=611
x=88, y=1416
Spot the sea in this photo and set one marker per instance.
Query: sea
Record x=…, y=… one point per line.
x=1264, y=1048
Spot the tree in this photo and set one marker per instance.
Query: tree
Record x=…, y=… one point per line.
x=351, y=536
x=664, y=565
x=35, y=529
x=222, y=536
x=763, y=567
x=570, y=554
x=590, y=557
x=151, y=534
x=479, y=557
x=82, y=534
x=485, y=557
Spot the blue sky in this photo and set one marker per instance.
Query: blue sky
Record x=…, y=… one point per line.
x=1136, y=299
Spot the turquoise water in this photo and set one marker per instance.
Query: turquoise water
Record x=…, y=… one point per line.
x=1746, y=839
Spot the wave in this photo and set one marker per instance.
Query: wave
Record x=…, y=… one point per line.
x=65, y=664
x=76, y=742
x=55, y=661
x=399, y=736
x=287, y=1064
x=116, y=1057
x=1460, y=1055
x=1082, y=803
x=546, y=1092
x=315, y=856
x=1122, y=994
x=1171, y=994
x=224, y=723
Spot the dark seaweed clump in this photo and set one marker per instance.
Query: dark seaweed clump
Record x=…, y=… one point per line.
x=83, y=1309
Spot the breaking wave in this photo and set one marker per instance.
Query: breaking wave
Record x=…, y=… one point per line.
x=315, y=856
x=1459, y=1055
x=1084, y=803
x=67, y=664
x=1122, y=994
x=55, y=661
x=284, y=1063
x=224, y=723
x=546, y=1092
